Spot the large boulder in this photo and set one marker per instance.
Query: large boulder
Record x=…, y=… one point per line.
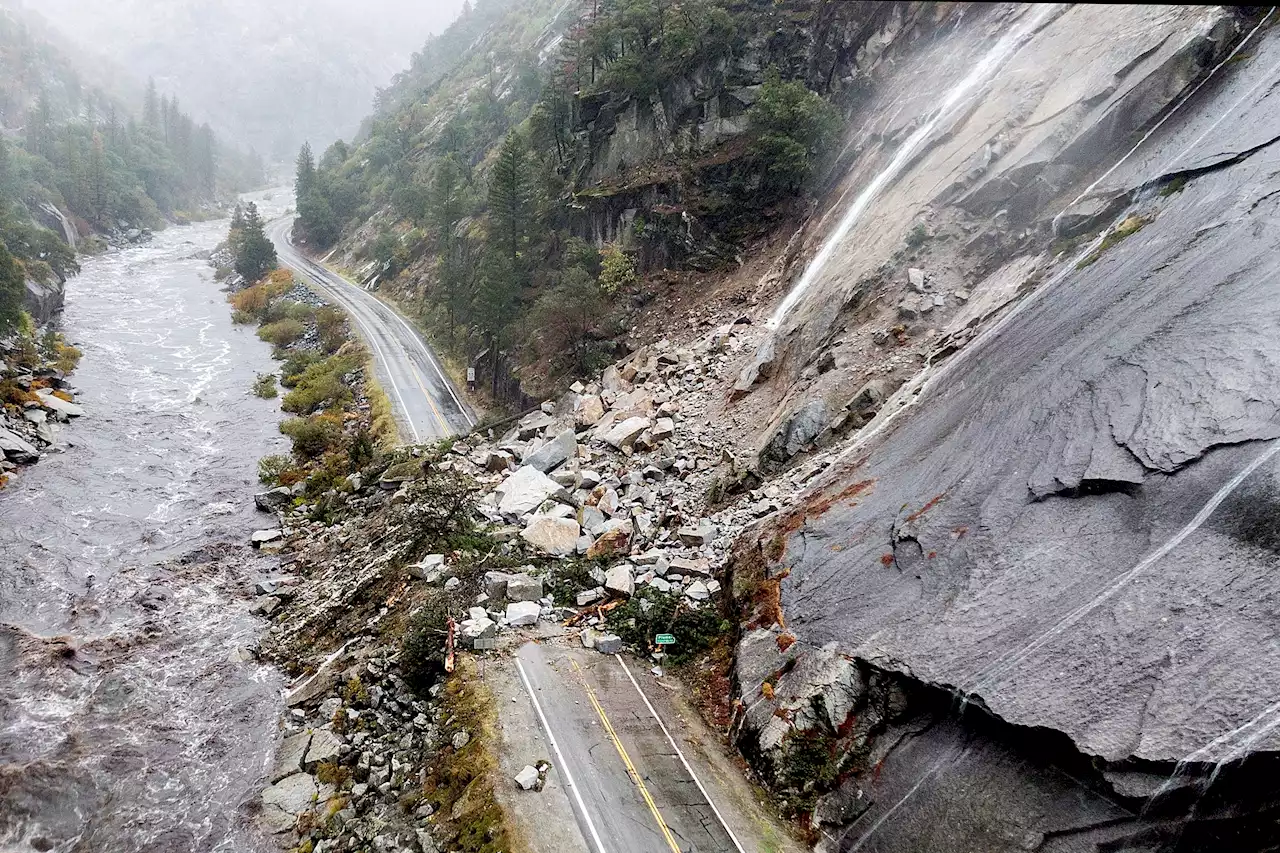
x=554, y=453
x=16, y=448
x=555, y=536
x=794, y=434
x=625, y=433
x=285, y=801
x=57, y=405
x=274, y=500
x=524, y=490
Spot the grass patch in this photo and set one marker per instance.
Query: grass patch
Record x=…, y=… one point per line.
x=1119, y=234
x=1174, y=187
x=384, y=429
x=462, y=786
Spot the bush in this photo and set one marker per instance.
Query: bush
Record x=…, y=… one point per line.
x=282, y=333
x=791, y=125
x=296, y=364
x=422, y=650
x=272, y=468
x=694, y=630
x=265, y=386
x=332, y=327
x=312, y=437
x=321, y=386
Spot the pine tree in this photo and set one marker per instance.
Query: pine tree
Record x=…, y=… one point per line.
x=305, y=181
x=12, y=291
x=151, y=106
x=255, y=256
x=511, y=202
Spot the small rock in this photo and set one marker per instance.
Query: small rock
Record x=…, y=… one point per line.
x=527, y=778
x=620, y=580
x=608, y=644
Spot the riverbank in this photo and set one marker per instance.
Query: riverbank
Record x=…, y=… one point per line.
x=36, y=397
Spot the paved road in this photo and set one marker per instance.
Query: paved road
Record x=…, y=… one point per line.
x=427, y=404
x=631, y=784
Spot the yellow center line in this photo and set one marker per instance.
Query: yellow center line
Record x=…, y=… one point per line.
x=417, y=377
x=626, y=759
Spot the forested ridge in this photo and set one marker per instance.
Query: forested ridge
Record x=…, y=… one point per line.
x=480, y=192
x=68, y=147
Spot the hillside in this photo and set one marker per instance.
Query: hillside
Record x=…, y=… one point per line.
x=970, y=309
x=593, y=145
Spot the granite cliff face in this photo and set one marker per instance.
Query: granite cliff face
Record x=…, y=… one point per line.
x=1030, y=605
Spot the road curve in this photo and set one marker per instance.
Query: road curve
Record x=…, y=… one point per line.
x=427, y=404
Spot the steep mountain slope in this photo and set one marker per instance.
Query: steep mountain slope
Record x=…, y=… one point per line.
x=1020, y=354
x=267, y=74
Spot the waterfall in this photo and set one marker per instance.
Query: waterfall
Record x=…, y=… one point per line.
x=981, y=73
x=68, y=230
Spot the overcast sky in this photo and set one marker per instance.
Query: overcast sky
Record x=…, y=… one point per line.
x=270, y=72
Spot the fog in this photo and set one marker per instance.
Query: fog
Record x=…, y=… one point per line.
x=265, y=73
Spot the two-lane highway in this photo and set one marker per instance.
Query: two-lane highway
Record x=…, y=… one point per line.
x=428, y=406
x=631, y=783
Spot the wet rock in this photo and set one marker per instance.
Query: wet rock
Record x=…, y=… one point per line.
x=274, y=500
x=555, y=536
x=16, y=448
x=794, y=435
x=554, y=453
x=263, y=537
x=325, y=746
x=915, y=278
x=524, y=490
x=289, y=756
x=57, y=405
x=284, y=801
x=757, y=370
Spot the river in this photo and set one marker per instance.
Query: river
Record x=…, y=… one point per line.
x=128, y=720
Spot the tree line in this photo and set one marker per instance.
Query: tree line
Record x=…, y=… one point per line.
x=481, y=203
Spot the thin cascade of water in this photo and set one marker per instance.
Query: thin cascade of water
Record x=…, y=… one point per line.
x=981, y=73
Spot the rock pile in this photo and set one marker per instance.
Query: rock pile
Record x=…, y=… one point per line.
x=30, y=424
x=354, y=754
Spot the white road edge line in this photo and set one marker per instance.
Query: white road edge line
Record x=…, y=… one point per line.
x=431, y=358
x=564, y=764
x=683, y=760
x=417, y=439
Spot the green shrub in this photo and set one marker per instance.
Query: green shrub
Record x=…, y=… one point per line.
x=282, y=333
x=296, y=364
x=321, y=385
x=271, y=468
x=313, y=436
x=694, y=630
x=265, y=386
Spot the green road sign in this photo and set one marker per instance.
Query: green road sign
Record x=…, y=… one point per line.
x=664, y=640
